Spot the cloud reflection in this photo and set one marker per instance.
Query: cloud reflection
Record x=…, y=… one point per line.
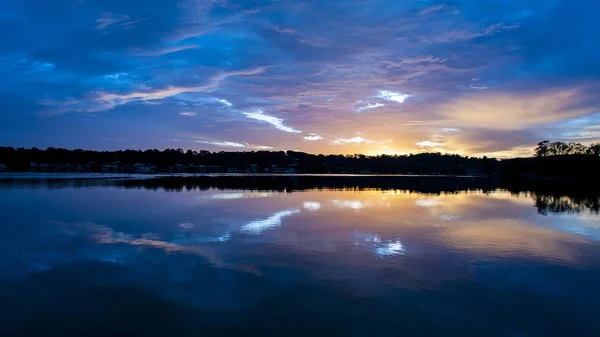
x=354, y=204
x=391, y=248
x=378, y=245
x=258, y=226
x=428, y=202
x=232, y=196
x=312, y=205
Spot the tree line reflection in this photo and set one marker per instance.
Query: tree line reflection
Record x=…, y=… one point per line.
x=548, y=198
x=547, y=204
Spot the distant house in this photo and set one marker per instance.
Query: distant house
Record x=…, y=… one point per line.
x=109, y=168
x=2, y=167
x=141, y=168
x=275, y=169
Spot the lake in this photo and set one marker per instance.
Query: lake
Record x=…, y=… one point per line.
x=289, y=257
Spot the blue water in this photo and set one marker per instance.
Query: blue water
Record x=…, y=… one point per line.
x=108, y=261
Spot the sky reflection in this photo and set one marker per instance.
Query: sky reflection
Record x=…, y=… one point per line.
x=217, y=262
x=342, y=229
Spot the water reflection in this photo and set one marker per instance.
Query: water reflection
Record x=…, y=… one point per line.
x=312, y=205
x=354, y=204
x=230, y=196
x=440, y=258
x=258, y=226
x=546, y=204
x=378, y=245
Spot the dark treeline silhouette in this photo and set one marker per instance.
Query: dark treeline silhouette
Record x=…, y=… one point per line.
x=552, y=159
x=178, y=160
x=576, y=166
x=556, y=159
x=547, y=148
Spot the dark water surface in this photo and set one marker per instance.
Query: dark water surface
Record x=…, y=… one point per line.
x=103, y=260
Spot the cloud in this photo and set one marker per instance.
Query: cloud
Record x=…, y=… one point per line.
x=188, y=114
x=457, y=33
x=220, y=143
x=109, y=19
x=275, y=121
x=225, y=102
x=392, y=96
x=431, y=9
x=354, y=140
x=473, y=87
x=428, y=143
x=167, y=50
x=370, y=106
x=451, y=130
x=516, y=111
x=312, y=136
x=102, y=101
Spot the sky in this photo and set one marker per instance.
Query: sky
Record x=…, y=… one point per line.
x=486, y=77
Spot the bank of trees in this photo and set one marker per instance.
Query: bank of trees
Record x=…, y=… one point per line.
x=547, y=148
x=556, y=159
x=426, y=163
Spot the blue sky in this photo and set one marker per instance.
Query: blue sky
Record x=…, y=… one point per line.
x=489, y=77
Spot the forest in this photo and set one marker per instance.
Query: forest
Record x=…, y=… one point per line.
x=550, y=159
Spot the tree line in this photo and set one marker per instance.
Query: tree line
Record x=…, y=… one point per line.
x=21, y=159
x=547, y=148
x=551, y=159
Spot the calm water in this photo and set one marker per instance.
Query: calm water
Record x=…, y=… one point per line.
x=109, y=261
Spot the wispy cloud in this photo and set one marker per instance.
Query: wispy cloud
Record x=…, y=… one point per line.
x=188, y=114
x=109, y=19
x=102, y=101
x=369, y=106
x=220, y=143
x=166, y=50
x=517, y=111
x=428, y=143
x=225, y=102
x=392, y=96
x=312, y=136
x=355, y=140
x=275, y=121
x=431, y=9
x=451, y=130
